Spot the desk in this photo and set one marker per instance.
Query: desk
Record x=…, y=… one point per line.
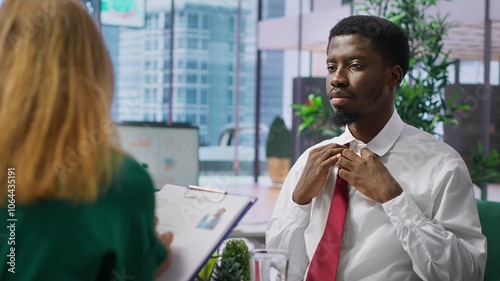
x=254, y=223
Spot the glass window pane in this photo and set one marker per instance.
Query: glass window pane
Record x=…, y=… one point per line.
x=204, y=44
x=204, y=47
x=191, y=78
x=204, y=79
x=191, y=64
x=191, y=96
x=192, y=43
x=192, y=20
x=191, y=118
x=203, y=96
x=204, y=22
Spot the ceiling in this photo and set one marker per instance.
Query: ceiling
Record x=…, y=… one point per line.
x=465, y=39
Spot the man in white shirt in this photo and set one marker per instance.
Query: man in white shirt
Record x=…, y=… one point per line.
x=411, y=210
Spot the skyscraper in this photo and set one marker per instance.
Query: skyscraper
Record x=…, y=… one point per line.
x=204, y=65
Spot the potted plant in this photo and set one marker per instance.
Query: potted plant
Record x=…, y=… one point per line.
x=234, y=264
x=420, y=100
x=484, y=168
x=314, y=114
x=279, y=150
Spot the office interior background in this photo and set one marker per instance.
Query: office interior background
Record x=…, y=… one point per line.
x=220, y=65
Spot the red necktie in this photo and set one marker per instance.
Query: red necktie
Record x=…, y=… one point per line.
x=326, y=258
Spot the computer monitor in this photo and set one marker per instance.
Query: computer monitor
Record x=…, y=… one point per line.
x=129, y=13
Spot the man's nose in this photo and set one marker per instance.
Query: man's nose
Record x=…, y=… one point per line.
x=339, y=78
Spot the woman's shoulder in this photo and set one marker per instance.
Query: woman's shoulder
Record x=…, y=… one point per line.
x=131, y=178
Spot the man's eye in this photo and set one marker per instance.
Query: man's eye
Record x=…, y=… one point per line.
x=331, y=68
x=356, y=65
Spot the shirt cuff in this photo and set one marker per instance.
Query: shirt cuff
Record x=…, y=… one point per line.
x=402, y=211
x=298, y=215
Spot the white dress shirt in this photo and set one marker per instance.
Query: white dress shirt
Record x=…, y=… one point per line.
x=429, y=232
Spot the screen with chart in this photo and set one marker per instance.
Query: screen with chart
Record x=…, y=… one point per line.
x=129, y=13
x=169, y=153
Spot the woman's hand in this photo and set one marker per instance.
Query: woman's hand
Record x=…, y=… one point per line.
x=166, y=239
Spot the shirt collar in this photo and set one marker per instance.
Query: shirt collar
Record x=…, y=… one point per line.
x=384, y=140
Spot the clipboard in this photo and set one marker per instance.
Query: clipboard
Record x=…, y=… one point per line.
x=201, y=218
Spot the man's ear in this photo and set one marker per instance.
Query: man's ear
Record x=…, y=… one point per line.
x=396, y=76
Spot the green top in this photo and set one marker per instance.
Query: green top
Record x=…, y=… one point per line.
x=112, y=238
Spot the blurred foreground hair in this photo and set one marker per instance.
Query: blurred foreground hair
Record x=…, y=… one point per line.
x=56, y=89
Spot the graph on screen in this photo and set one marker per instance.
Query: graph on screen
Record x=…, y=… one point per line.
x=129, y=13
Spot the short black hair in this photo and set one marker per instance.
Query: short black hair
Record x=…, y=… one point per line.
x=387, y=38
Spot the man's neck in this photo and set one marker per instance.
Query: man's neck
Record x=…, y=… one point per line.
x=365, y=129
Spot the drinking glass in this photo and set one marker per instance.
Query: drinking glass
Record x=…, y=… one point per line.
x=268, y=265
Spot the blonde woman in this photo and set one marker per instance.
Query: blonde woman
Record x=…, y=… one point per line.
x=73, y=206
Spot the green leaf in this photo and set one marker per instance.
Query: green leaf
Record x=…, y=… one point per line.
x=397, y=18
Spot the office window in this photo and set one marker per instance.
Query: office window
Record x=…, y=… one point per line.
x=204, y=22
x=148, y=21
x=148, y=95
x=230, y=80
x=230, y=97
x=204, y=79
x=191, y=118
x=203, y=30
x=181, y=97
x=191, y=64
x=203, y=119
x=155, y=95
x=203, y=139
x=191, y=78
x=151, y=77
x=180, y=117
x=167, y=21
x=204, y=44
x=181, y=64
x=203, y=96
x=166, y=43
x=166, y=95
x=191, y=96
x=181, y=43
x=192, y=43
x=231, y=23
x=192, y=20
x=151, y=44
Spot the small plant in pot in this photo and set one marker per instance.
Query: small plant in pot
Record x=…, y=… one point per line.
x=279, y=150
x=234, y=262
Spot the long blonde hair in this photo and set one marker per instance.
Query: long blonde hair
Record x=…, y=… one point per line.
x=56, y=89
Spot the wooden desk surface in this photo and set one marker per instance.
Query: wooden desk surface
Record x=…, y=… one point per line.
x=255, y=221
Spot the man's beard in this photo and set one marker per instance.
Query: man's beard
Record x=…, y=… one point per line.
x=340, y=118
